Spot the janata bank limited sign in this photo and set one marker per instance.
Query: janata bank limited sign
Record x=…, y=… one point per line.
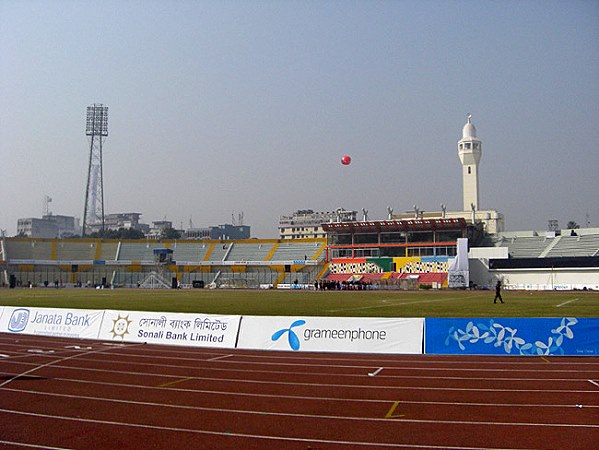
x=51, y=321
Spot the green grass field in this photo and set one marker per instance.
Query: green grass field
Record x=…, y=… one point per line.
x=307, y=303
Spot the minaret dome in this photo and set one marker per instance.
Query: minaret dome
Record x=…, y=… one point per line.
x=469, y=130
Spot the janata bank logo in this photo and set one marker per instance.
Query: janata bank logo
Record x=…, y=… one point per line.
x=18, y=321
x=292, y=338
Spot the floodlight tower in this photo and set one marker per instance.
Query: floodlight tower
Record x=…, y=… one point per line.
x=96, y=127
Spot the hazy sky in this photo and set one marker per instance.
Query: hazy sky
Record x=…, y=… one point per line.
x=222, y=107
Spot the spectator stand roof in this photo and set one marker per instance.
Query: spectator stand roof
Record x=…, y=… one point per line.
x=384, y=226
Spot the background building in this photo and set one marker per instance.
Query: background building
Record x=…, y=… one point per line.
x=196, y=233
x=158, y=227
x=219, y=232
x=127, y=221
x=306, y=223
x=49, y=226
x=230, y=232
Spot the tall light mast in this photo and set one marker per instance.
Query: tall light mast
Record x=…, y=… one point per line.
x=96, y=127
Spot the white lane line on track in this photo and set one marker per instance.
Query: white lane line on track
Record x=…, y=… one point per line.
x=389, y=364
x=300, y=397
x=344, y=375
x=565, y=303
x=324, y=385
x=23, y=444
x=310, y=416
x=593, y=382
x=237, y=380
x=57, y=361
x=256, y=436
x=375, y=373
x=219, y=357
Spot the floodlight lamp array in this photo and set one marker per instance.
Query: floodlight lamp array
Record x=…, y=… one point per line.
x=96, y=123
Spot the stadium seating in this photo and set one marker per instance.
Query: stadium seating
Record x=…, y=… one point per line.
x=29, y=249
x=218, y=251
x=189, y=251
x=76, y=251
x=249, y=251
x=292, y=251
x=108, y=250
x=18, y=249
x=564, y=245
x=138, y=250
x=584, y=245
x=249, y=263
x=525, y=246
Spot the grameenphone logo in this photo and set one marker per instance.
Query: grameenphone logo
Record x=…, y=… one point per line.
x=292, y=338
x=18, y=320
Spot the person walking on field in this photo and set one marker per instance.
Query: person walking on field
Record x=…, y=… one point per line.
x=498, y=292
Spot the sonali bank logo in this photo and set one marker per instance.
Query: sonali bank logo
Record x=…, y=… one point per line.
x=18, y=320
x=120, y=327
x=292, y=337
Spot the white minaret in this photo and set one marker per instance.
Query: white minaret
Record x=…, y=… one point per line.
x=469, y=149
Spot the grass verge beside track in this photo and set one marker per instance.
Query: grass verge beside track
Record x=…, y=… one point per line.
x=443, y=303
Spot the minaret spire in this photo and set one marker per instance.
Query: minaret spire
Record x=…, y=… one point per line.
x=469, y=151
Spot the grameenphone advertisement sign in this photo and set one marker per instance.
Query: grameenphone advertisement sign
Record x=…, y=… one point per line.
x=75, y=323
x=332, y=334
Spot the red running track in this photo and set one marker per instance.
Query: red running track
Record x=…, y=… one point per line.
x=64, y=393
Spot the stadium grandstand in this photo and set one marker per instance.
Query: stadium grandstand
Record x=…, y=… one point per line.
x=384, y=254
x=567, y=259
x=390, y=254
x=570, y=243
x=149, y=263
x=393, y=254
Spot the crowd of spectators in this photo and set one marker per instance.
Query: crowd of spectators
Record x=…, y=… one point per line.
x=336, y=285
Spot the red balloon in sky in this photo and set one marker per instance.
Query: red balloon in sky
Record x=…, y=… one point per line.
x=346, y=160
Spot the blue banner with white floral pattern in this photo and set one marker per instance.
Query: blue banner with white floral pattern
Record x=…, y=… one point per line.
x=512, y=336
